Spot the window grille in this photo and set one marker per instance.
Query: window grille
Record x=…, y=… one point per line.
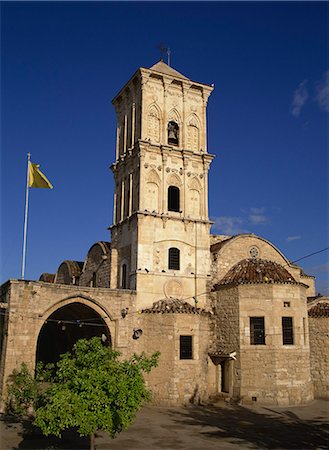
x=287, y=331
x=185, y=347
x=257, y=331
x=173, y=198
x=173, y=259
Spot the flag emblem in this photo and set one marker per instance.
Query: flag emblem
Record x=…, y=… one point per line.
x=37, y=179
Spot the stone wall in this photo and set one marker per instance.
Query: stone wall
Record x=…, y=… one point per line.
x=176, y=381
x=272, y=373
x=28, y=304
x=98, y=262
x=319, y=345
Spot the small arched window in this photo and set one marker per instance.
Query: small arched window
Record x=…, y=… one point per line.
x=174, y=258
x=123, y=276
x=173, y=198
x=173, y=133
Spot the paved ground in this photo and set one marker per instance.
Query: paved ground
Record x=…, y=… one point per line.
x=196, y=428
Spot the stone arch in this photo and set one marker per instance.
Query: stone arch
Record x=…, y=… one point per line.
x=96, y=268
x=153, y=177
x=67, y=321
x=194, y=183
x=173, y=128
x=193, y=133
x=154, y=123
x=69, y=272
x=174, y=180
x=174, y=116
x=194, y=198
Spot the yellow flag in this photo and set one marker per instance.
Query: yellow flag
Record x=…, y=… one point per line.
x=37, y=179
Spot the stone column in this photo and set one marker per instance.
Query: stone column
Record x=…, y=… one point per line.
x=133, y=119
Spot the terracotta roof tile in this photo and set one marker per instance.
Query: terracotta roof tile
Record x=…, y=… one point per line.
x=256, y=271
x=172, y=305
x=319, y=310
x=75, y=267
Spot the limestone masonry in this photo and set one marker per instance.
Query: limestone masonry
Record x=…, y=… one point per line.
x=231, y=315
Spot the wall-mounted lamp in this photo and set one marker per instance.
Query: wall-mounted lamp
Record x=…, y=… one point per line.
x=124, y=312
x=137, y=332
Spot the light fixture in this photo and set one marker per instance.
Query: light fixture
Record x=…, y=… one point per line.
x=137, y=332
x=124, y=312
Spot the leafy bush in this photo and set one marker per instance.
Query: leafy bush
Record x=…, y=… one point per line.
x=91, y=389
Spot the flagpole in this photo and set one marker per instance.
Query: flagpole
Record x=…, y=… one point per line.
x=25, y=216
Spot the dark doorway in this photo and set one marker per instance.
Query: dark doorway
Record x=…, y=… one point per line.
x=225, y=365
x=65, y=327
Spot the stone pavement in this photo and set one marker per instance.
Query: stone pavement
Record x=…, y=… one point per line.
x=219, y=426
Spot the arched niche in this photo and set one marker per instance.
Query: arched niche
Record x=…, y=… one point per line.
x=154, y=123
x=152, y=192
x=193, y=133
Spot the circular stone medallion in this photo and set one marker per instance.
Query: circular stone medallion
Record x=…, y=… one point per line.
x=173, y=289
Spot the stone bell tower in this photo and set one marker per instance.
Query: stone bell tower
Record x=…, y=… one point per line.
x=160, y=231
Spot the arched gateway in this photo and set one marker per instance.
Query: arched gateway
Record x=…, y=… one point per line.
x=64, y=327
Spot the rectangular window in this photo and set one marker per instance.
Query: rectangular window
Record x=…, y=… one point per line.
x=185, y=347
x=257, y=331
x=287, y=331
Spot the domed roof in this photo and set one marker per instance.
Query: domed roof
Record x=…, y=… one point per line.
x=255, y=270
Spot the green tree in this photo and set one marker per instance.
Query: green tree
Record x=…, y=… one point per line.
x=94, y=390
x=22, y=392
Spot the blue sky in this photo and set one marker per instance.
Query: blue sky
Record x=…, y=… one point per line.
x=62, y=63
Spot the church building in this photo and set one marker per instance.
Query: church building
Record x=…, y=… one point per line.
x=231, y=315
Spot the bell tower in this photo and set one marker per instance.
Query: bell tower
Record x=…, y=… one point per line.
x=160, y=231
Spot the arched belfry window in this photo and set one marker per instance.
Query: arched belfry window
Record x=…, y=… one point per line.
x=123, y=283
x=173, y=258
x=173, y=198
x=173, y=133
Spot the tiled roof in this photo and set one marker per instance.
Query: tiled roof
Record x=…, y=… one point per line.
x=75, y=267
x=256, y=271
x=47, y=277
x=172, y=305
x=319, y=310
